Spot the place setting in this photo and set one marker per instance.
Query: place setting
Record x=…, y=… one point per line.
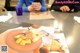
x=34, y=39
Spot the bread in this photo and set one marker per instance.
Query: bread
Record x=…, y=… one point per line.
x=55, y=45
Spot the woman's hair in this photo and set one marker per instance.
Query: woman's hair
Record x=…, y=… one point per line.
x=38, y=1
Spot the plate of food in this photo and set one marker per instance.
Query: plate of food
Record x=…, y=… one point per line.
x=23, y=40
x=39, y=40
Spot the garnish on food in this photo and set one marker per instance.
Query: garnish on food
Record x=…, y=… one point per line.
x=28, y=37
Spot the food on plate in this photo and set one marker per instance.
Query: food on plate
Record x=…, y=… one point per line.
x=44, y=50
x=37, y=50
x=55, y=45
x=36, y=35
x=23, y=39
x=41, y=50
x=18, y=40
x=35, y=26
x=28, y=40
x=18, y=36
x=23, y=42
x=28, y=37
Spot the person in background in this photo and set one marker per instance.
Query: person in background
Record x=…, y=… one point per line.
x=8, y=7
x=66, y=7
x=32, y=5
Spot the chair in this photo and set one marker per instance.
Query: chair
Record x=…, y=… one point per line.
x=8, y=7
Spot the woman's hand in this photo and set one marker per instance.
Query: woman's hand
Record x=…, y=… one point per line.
x=30, y=8
x=72, y=10
x=64, y=8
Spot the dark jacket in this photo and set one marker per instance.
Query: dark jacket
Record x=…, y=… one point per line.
x=56, y=6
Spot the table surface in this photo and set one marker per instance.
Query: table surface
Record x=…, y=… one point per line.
x=70, y=26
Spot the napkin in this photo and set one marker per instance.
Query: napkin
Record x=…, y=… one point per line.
x=40, y=15
x=77, y=18
x=5, y=18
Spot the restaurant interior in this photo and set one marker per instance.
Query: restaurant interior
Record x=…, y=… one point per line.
x=59, y=31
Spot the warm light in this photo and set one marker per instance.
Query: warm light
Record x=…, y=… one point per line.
x=48, y=5
x=55, y=24
x=60, y=26
x=69, y=40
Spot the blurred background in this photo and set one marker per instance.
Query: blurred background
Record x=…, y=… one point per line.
x=2, y=2
x=10, y=4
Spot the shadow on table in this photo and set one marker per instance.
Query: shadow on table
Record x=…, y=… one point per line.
x=6, y=26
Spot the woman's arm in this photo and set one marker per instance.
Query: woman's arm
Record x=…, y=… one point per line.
x=55, y=6
x=43, y=8
x=25, y=9
x=20, y=4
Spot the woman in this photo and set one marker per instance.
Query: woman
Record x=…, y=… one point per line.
x=30, y=5
x=65, y=6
